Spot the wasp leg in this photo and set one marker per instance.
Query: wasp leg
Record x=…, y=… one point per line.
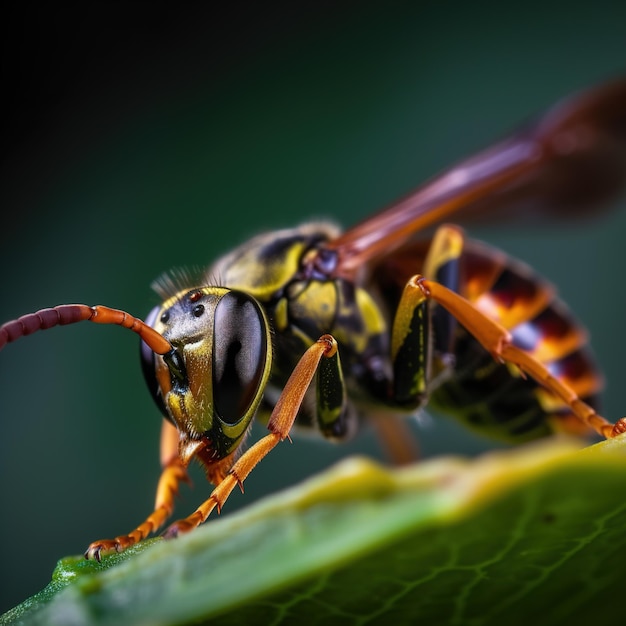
x=172, y=475
x=279, y=425
x=410, y=349
x=334, y=419
x=443, y=264
x=411, y=359
x=497, y=340
x=396, y=438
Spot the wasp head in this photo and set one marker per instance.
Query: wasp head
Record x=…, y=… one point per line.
x=211, y=383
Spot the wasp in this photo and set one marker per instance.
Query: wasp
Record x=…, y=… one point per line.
x=323, y=329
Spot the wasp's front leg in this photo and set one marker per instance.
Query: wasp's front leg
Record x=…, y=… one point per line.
x=172, y=475
x=279, y=425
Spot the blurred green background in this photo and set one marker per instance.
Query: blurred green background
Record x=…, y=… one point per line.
x=140, y=137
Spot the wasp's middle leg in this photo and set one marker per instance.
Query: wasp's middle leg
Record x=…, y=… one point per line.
x=422, y=329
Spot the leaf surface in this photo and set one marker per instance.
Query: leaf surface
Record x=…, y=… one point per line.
x=531, y=535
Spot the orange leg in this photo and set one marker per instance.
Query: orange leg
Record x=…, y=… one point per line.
x=497, y=340
x=396, y=438
x=172, y=475
x=279, y=425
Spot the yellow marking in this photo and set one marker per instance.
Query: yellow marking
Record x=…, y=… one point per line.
x=317, y=302
x=281, y=319
x=263, y=279
x=446, y=246
x=374, y=321
x=412, y=297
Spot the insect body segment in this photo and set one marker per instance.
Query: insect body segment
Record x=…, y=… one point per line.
x=489, y=395
x=313, y=328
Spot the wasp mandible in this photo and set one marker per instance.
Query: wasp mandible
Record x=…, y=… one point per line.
x=317, y=328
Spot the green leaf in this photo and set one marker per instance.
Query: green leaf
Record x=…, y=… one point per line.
x=532, y=535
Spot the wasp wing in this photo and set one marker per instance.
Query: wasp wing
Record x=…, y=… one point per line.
x=567, y=161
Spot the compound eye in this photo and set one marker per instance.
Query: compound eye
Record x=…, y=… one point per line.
x=148, y=364
x=239, y=355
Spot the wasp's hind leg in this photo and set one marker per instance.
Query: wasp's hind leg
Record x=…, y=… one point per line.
x=422, y=345
x=498, y=341
x=443, y=264
x=413, y=344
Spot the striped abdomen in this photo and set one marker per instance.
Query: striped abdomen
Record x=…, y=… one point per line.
x=492, y=397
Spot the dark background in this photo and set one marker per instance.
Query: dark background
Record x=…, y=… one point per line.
x=138, y=137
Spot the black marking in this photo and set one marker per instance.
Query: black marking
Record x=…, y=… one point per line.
x=410, y=365
x=511, y=287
